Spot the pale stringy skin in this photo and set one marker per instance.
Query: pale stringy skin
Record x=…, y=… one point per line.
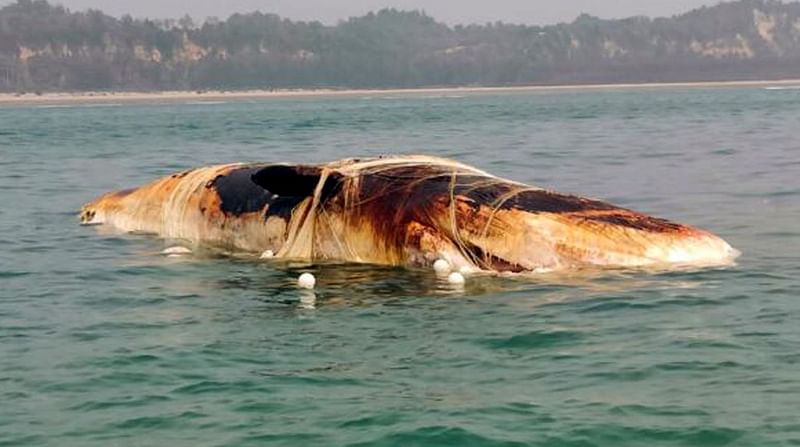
x=412, y=210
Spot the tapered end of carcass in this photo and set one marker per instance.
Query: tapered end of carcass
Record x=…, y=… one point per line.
x=632, y=239
x=98, y=210
x=699, y=249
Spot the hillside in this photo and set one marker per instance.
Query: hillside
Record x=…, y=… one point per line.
x=49, y=48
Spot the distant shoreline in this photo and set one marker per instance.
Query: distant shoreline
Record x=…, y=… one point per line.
x=78, y=98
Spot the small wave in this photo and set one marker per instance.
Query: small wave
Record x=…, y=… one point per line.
x=536, y=339
x=216, y=387
x=615, y=305
x=7, y=274
x=696, y=435
x=632, y=410
x=283, y=439
x=308, y=124
x=376, y=420
x=125, y=402
x=438, y=435
x=156, y=422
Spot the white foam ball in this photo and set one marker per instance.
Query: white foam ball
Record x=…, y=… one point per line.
x=441, y=266
x=306, y=281
x=267, y=254
x=456, y=278
x=176, y=250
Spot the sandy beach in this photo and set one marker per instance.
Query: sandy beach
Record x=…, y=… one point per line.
x=77, y=98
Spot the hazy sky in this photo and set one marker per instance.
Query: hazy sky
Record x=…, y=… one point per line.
x=538, y=12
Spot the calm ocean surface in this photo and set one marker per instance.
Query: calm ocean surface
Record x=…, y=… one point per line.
x=104, y=342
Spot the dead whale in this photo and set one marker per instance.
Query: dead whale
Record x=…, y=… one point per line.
x=400, y=210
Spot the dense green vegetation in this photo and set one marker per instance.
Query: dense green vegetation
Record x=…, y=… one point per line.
x=45, y=47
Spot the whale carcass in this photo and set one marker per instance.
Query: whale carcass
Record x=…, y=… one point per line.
x=400, y=210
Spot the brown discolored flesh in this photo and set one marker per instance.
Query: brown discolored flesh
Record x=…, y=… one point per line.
x=399, y=211
x=482, y=217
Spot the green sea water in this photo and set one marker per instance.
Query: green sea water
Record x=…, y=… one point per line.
x=104, y=342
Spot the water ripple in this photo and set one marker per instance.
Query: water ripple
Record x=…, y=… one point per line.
x=104, y=342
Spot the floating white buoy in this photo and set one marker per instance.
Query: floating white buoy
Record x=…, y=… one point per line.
x=176, y=251
x=456, y=278
x=267, y=254
x=306, y=281
x=441, y=266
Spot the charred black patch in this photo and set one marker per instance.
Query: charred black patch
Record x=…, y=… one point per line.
x=238, y=194
x=290, y=185
x=295, y=181
x=435, y=180
x=283, y=206
x=534, y=201
x=550, y=202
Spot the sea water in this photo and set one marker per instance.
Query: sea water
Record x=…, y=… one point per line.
x=104, y=341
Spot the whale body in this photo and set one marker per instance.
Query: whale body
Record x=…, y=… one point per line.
x=400, y=210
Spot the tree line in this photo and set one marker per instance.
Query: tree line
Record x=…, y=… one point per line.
x=45, y=47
